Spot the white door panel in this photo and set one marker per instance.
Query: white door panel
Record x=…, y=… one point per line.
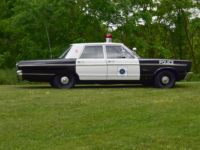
x=123, y=69
x=91, y=69
x=110, y=63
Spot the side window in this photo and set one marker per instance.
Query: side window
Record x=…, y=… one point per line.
x=116, y=52
x=92, y=52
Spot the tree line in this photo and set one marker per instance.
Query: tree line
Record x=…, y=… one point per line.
x=40, y=29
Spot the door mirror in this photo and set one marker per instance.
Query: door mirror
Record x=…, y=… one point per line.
x=134, y=49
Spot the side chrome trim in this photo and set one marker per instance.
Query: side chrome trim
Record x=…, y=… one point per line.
x=47, y=65
x=91, y=64
x=163, y=64
x=114, y=64
x=39, y=74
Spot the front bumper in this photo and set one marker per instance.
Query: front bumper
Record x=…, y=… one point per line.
x=19, y=75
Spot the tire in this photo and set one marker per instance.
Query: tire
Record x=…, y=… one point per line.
x=63, y=81
x=165, y=79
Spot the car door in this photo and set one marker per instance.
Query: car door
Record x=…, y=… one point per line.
x=92, y=63
x=122, y=65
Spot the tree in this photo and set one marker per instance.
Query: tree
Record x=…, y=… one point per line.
x=39, y=29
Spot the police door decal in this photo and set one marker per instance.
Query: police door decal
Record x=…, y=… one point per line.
x=122, y=71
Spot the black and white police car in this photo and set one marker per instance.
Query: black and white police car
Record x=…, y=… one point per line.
x=103, y=63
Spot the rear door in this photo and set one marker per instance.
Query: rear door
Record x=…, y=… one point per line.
x=92, y=63
x=122, y=65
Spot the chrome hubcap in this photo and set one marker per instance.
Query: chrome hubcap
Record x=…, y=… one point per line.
x=64, y=80
x=165, y=79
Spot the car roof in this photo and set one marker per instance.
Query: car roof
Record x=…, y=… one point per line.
x=105, y=43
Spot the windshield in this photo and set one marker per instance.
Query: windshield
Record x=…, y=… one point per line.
x=132, y=52
x=65, y=53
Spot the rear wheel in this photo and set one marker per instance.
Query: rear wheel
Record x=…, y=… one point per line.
x=63, y=81
x=165, y=79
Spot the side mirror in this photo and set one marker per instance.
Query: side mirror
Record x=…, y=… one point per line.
x=134, y=49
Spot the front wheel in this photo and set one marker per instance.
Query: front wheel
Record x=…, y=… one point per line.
x=64, y=81
x=165, y=79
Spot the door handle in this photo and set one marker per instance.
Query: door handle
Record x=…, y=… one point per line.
x=111, y=61
x=80, y=61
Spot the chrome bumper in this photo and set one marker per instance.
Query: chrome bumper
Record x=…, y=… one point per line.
x=19, y=75
x=188, y=75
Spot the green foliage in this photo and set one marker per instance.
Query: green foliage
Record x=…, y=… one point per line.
x=37, y=29
x=194, y=77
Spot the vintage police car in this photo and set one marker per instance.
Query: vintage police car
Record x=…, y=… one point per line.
x=103, y=63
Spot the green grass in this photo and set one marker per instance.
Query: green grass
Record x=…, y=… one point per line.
x=34, y=117
x=8, y=76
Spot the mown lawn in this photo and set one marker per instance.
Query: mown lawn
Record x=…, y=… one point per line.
x=37, y=117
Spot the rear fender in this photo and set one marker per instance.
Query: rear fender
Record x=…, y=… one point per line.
x=166, y=68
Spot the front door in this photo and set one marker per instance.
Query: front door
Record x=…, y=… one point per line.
x=92, y=64
x=122, y=65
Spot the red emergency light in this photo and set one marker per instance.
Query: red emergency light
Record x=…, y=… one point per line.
x=108, y=37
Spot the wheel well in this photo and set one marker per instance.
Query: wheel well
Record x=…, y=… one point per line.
x=167, y=69
x=73, y=74
x=77, y=77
